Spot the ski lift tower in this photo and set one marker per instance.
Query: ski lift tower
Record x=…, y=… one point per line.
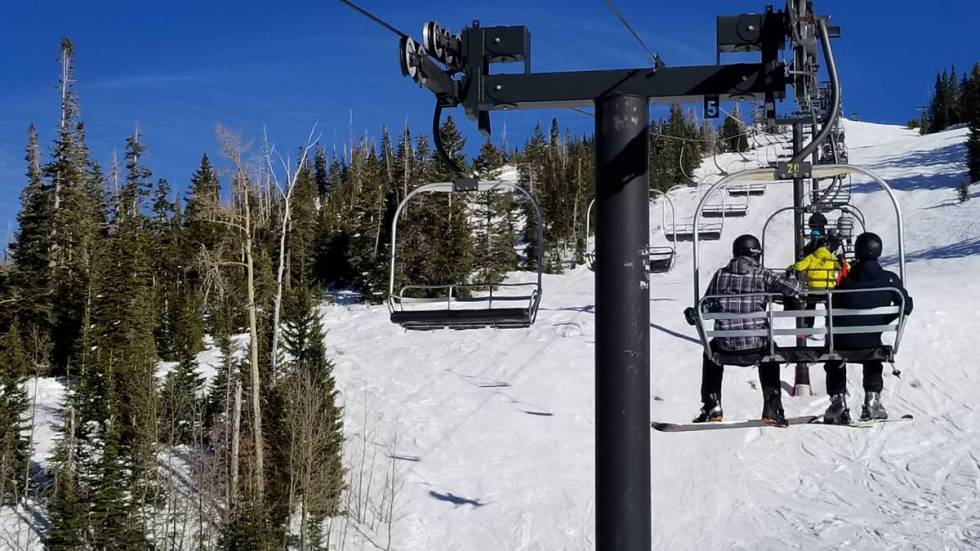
x=455, y=68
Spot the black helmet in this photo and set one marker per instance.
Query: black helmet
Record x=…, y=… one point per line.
x=747, y=245
x=867, y=246
x=817, y=220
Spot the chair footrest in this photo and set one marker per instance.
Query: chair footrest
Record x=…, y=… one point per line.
x=426, y=320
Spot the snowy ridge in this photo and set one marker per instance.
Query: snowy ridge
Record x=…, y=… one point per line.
x=492, y=431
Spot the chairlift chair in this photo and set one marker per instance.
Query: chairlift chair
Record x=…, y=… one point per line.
x=660, y=259
x=725, y=208
x=501, y=305
x=708, y=231
x=794, y=351
x=753, y=188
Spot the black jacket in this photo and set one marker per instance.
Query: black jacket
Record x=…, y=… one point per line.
x=867, y=274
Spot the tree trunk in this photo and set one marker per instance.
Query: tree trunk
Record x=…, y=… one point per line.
x=236, y=426
x=277, y=306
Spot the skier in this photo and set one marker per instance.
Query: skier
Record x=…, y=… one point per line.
x=744, y=275
x=865, y=274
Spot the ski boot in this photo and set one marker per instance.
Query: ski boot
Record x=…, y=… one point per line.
x=710, y=410
x=837, y=412
x=772, y=408
x=873, y=410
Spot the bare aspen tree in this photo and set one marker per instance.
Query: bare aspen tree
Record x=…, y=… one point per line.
x=287, y=196
x=242, y=222
x=236, y=430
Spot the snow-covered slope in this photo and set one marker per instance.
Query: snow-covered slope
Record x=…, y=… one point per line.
x=494, y=429
x=491, y=432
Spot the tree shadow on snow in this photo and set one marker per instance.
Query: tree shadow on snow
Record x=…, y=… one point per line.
x=967, y=247
x=947, y=162
x=448, y=497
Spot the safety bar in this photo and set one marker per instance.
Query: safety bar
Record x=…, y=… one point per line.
x=769, y=314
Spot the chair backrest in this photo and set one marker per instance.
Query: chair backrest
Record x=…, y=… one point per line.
x=770, y=315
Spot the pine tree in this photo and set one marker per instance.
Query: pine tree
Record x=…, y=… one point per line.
x=971, y=115
x=314, y=421
x=939, y=104
x=321, y=174
x=435, y=239
x=14, y=443
x=952, y=92
x=531, y=166
x=180, y=400
x=30, y=276
x=78, y=219
x=494, y=227
x=202, y=206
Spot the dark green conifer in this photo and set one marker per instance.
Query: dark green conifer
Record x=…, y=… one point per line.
x=14, y=442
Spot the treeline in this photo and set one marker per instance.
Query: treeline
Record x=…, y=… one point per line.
x=116, y=283
x=112, y=278
x=956, y=100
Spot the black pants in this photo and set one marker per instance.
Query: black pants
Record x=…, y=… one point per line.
x=837, y=376
x=712, y=374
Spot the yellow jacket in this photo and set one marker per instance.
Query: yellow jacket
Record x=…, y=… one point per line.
x=821, y=268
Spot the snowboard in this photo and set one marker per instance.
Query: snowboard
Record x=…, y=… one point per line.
x=696, y=427
x=751, y=423
x=818, y=420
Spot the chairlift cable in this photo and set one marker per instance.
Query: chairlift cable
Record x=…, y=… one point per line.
x=654, y=57
x=374, y=18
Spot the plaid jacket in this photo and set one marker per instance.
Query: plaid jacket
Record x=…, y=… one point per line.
x=741, y=277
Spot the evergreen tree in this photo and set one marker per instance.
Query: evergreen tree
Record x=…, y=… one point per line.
x=939, y=104
x=202, y=206
x=30, y=276
x=435, y=238
x=78, y=219
x=531, y=166
x=181, y=400
x=14, y=442
x=314, y=420
x=494, y=227
x=971, y=115
x=321, y=174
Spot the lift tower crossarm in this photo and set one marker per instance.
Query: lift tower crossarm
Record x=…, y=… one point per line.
x=665, y=85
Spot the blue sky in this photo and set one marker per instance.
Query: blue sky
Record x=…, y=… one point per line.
x=177, y=68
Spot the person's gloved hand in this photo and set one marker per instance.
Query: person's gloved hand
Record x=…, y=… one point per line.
x=691, y=315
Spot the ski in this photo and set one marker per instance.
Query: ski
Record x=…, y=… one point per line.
x=695, y=427
x=818, y=420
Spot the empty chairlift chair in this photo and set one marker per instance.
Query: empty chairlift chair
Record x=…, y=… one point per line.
x=660, y=258
x=783, y=337
x=749, y=188
x=465, y=305
x=726, y=208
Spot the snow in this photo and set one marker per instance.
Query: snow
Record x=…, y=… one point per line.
x=491, y=432
x=495, y=428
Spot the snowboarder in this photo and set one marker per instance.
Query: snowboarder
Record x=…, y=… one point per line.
x=818, y=230
x=823, y=268
x=744, y=275
x=866, y=273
